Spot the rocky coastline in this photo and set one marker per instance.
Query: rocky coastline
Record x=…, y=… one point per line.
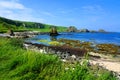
x=109, y=61
x=74, y=29
x=72, y=55
x=26, y=34
x=104, y=55
x=63, y=52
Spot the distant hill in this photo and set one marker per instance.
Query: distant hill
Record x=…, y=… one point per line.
x=6, y=24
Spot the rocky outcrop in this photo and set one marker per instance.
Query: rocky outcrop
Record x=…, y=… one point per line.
x=101, y=30
x=61, y=51
x=53, y=31
x=72, y=29
x=26, y=34
x=11, y=33
x=92, y=31
x=83, y=30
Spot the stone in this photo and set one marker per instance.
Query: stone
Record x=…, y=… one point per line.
x=11, y=33
x=64, y=55
x=101, y=30
x=72, y=29
x=53, y=31
x=83, y=30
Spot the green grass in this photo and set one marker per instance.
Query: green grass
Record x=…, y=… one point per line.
x=6, y=24
x=59, y=29
x=17, y=63
x=47, y=29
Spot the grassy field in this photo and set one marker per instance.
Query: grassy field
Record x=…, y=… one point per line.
x=16, y=63
x=47, y=29
x=59, y=29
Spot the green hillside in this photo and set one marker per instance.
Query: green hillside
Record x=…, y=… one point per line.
x=6, y=24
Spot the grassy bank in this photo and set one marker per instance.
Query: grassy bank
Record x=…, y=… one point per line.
x=59, y=29
x=7, y=24
x=17, y=63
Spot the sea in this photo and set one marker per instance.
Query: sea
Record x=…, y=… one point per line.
x=97, y=38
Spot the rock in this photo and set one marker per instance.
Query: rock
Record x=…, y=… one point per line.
x=101, y=30
x=72, y=29
x=92, y=31
x=64, y=55
x=11, y=33
x=26, y=34
x=73, y=56
x=83, y=30
x=53, y=31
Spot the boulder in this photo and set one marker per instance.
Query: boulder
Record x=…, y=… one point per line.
x=11, y=33
x=72, y=29
x=83, y=30
x=53, y=31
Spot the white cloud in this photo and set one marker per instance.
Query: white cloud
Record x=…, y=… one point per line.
x=13, y=9
x=11, y=5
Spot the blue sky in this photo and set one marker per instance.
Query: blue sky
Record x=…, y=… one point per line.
x=90, y=14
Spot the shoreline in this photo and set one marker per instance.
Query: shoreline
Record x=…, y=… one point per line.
x=99, y=59
x=102, y=60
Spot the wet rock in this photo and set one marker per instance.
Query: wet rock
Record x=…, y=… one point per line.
x=53, y=31
x=61, y=51
x=108, y=48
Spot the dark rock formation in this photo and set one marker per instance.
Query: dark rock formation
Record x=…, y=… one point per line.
x=11, y=33
x=92, y=31
x=53, y=31
x=55, y=49
x=101, y=30
x=72, y=29
x=83, y=30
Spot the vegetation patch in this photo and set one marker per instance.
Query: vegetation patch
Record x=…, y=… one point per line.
x=54, y=43
x=90, y=47
x=7, y=24
x=43, y=40
x=17, y=63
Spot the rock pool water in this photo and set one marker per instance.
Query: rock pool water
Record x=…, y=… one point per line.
x=110, y=38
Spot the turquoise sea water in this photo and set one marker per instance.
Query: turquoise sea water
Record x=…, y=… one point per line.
x=110, y=38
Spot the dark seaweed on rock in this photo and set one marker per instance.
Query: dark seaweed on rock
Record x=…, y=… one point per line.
x=69, y=50
x=63, y=49
x=108, y=48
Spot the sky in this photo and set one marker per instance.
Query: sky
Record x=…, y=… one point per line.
x=90, y=14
